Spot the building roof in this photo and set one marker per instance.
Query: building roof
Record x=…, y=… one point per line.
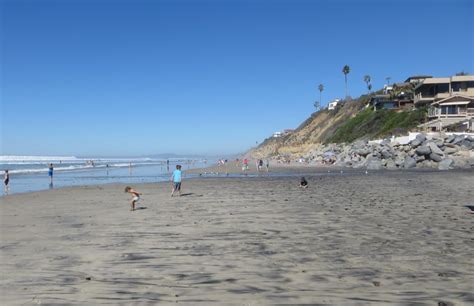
x=462, y=78
x=433, y=81
x=417, y=77
x=459, y=99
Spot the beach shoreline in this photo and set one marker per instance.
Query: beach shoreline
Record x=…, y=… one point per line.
x=380, y=238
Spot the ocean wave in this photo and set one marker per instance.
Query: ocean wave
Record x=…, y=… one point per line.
x=81, y=167
x=29, y=158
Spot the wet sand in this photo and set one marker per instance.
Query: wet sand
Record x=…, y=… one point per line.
x=399, y=238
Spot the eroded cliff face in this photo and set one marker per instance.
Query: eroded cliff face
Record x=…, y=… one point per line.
x=315, y=131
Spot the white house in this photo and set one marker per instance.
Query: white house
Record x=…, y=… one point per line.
x=333, y=104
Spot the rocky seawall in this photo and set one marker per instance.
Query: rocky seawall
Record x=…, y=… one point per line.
x=425, y=151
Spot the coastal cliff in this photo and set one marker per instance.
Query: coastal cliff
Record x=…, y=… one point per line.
x=315, y=130
x=350, y=121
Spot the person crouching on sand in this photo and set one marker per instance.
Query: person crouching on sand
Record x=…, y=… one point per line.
x=135, y=197
x=303, y=183
x=176, y=179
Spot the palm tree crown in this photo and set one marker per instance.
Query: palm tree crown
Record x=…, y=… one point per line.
x=367, y=79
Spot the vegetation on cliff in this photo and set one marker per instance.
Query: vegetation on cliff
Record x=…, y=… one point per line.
x=370, y=124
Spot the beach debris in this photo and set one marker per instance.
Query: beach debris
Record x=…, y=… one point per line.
x=471, y=207
x=376, y=283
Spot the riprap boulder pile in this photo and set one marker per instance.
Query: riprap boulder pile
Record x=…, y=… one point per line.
x=425, y=151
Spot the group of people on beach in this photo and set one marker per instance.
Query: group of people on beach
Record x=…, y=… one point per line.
x=6, y=178
x=259, y=164
x=176, y=180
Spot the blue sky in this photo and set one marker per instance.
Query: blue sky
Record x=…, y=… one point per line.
x=204, y=77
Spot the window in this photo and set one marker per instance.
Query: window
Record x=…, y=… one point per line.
x=449, y=110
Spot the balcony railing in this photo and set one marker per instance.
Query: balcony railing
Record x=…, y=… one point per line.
x=436, y=112
x=442, y=95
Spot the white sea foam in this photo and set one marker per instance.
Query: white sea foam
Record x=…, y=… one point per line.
x=28, y=158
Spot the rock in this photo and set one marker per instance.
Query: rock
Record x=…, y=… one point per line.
x=446, y=164
x=439, y=143
x=427, y=164
x=415, y=143
x=467, y=144
x=450, y=138
x=386, y=154
x=409, y=163
x=374, y=164
x=435, y=149
x=421, y=137
x=363, y=152
x=423, y=150
x=458, y=139
x=461, y=162
x=469, y=138
x=435, y=157
x=449, y=150
x=399, y=161
x=391, y=165
x=419, y=158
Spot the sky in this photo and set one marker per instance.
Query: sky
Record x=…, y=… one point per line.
x=129, y=78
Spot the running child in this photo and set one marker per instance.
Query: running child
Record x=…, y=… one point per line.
x=135, y=197
x=176, y=178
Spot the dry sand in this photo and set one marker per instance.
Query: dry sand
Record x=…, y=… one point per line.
x=399, y=238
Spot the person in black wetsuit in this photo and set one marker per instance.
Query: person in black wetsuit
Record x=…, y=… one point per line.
x=303, y=183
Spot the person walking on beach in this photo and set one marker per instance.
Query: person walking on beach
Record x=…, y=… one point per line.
x=176, y=178
x=267, y=165
x=50, y=173
x=260, y=165
x=6, y=180
x=135, y=197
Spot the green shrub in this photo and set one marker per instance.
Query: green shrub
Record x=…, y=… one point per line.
x=370, y=124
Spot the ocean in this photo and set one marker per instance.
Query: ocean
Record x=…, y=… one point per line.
x=30, y=173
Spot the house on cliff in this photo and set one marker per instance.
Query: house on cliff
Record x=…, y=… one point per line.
x=450, y=102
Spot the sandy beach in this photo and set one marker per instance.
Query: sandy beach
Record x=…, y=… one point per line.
x=402, y=238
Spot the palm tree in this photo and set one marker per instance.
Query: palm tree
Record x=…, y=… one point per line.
x=367, y=81
x=316, y=105
x=346, y=69
x=321, y=88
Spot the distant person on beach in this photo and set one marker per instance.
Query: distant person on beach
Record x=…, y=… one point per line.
x=176, y=178
x=267, y=165
x=246, y=165
x=260, y=165
x=135, y=197
x=303, y=183
x=50, y=173
x=6, y=180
